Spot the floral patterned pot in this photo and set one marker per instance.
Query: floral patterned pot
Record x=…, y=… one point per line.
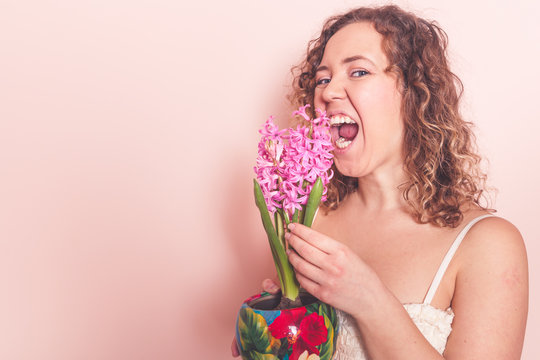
x=303, y=333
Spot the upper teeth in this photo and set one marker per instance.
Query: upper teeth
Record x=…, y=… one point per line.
x=341, y=119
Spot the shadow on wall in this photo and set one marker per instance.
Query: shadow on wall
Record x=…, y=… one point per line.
x=248, y=261
x=245, y=237
x=249, y=251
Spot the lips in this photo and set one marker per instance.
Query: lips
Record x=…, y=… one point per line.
x=343, y=130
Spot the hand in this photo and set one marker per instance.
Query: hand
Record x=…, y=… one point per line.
x=268, y=285
x=330, y=270
x=235, y=352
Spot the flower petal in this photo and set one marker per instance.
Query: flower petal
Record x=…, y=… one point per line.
x=312, y=329
x=300, y=346
x=280, y=327
x=298, y=315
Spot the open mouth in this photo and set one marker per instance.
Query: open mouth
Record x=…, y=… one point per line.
x=343, y=130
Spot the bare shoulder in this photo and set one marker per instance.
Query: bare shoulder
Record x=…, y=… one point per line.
x=494, y=238
x=494, y=256
x=490, y=299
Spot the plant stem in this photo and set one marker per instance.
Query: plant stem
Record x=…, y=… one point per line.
x=289, y=285
x=279, y=228
x=295, y=216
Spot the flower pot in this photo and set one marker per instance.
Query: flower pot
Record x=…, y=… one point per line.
x=308, y=332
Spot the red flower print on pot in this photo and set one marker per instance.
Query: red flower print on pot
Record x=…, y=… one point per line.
x=302, y=332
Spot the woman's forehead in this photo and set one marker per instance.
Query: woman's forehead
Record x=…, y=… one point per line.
x=357, y=39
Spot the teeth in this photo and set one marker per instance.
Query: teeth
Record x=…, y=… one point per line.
x=342, y=143
x=341, y=119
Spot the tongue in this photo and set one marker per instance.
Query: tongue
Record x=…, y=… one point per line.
x=348, y=131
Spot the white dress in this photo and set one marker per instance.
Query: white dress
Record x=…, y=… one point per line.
x=435, y=324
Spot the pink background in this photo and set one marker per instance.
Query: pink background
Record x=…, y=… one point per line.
x=128, y=132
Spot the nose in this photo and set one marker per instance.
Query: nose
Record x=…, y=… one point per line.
x=334, y=90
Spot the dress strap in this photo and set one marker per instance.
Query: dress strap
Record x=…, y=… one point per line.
x=448, y=257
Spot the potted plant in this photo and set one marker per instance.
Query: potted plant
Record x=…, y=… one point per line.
x=293, y=169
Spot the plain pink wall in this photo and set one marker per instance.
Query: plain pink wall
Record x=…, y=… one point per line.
x=128, y=132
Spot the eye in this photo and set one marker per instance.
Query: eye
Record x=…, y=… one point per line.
x=359, y=73
x=322, y=81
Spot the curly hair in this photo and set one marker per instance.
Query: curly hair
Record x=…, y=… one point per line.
x=441, y=162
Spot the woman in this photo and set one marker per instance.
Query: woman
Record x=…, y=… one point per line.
x=416, y=266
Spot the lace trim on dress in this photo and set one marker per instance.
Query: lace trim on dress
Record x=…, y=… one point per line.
x=435, y=324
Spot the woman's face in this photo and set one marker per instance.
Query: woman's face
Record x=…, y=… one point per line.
x=362, y=100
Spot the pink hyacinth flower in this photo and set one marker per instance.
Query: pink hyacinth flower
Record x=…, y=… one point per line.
x=287, y=170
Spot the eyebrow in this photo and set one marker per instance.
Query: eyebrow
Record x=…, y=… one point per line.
x=346, y=61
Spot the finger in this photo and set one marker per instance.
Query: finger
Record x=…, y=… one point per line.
x=304, y=267
x=309, y=285
x=270, y=286
x=234, y=348
x=307, y=251
x=315, y=238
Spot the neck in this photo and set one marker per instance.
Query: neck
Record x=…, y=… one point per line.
x=381, y=190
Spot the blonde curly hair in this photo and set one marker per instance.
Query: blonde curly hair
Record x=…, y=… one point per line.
x=440, y=151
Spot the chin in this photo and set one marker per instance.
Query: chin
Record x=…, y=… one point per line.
x=348, y=169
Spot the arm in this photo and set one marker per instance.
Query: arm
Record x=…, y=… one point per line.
x=333, y=273
x=337, y=276
x=491, y=295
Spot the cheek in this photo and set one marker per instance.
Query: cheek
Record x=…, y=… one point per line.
x=317, y=101
x=383, y=121
x=386, y=101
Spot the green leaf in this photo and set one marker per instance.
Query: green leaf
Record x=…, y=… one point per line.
x=328, y=311
x=313, y=202
x=254, y=333
x=255, y=355
x=289, y=285
x=312, y=308
x=326, y=349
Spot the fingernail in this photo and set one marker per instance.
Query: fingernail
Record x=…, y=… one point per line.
x=274, y=287
x=288, y=252
x=291, y=227
x=287, y=236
